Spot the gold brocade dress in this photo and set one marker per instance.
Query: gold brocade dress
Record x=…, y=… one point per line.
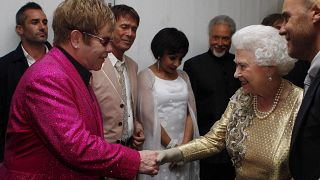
x=259, y=148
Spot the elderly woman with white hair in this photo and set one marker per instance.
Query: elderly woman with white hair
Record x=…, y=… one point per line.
x=256, y=127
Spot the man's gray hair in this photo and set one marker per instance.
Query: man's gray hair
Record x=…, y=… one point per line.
x=223, y=19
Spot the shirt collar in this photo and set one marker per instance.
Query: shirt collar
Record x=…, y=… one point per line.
x=84, y=73
x=29, y=58
x=113, y=59
x=315, y=65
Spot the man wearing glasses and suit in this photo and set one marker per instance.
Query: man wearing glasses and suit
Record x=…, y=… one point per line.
x=55, y=127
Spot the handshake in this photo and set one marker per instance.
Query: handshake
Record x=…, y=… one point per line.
x=150, y=160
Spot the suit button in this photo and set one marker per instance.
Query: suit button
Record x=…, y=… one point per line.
x=118, y=141
x=120, y=123
x=121, y=105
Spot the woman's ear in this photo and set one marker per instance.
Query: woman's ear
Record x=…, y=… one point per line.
x=270, y=71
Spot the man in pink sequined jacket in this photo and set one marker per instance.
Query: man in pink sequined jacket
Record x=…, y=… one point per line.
x=55, y=125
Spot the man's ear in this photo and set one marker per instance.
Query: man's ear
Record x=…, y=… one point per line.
x=75, y=38
x=315, y=13
x=19, y=30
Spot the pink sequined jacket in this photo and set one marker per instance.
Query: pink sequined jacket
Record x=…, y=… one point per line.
x=55, y=128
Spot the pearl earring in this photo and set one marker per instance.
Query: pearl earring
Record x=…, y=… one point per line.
x=269, y=76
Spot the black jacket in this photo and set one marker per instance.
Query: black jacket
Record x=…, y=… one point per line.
x=213, y=83
x=304, y=159
x=12, y=67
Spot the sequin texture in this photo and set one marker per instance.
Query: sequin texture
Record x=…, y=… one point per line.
x=55, y=128
x=266, y=143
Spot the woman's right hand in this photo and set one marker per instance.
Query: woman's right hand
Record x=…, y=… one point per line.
x=169, y=155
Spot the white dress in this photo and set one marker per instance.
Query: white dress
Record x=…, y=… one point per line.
x=172, y=98
x=166, y=103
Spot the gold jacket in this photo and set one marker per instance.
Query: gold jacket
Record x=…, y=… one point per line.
x=259, y=148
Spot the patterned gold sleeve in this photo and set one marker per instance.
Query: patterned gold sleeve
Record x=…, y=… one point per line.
x=211, y=143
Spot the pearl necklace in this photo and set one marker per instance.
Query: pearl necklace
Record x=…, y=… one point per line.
x=263, y=115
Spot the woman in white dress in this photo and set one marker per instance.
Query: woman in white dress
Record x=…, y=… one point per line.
x=166, y=104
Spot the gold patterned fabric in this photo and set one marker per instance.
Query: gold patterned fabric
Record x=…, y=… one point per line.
x=259, y=148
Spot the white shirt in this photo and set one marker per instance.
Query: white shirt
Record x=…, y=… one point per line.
x=113, y=61
x=315, y=66
x=312, y=72
x=30, y=59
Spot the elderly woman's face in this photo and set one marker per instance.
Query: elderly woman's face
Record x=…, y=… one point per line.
x=252, y=76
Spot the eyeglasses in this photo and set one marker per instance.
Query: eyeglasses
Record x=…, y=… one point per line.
x=104, y=41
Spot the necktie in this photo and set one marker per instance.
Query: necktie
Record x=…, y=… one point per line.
x=307, y=82
x=120, y=68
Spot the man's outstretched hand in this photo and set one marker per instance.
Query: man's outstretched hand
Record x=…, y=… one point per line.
x=148, y=164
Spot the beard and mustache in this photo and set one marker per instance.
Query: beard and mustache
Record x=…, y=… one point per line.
x=219, y=54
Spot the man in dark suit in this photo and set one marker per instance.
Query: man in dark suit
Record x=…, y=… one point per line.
x=31, y=26
x=302, y=30
x=213, y=83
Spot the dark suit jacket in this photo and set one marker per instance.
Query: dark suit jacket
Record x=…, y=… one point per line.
x=213, y=83
x=12, y=67
x=304, y=157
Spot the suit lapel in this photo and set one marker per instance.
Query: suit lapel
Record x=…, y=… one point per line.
x=75, y=76
x=305, y=106
x=20, y=59
x=16, y=69
x=108, y=70
x=132, y=78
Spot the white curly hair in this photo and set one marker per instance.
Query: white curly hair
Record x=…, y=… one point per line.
x=269, y=48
